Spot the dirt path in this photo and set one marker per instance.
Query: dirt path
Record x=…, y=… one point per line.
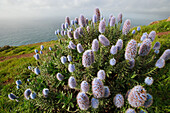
x=31, y=54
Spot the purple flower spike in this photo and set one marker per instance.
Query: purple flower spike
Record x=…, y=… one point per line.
x=166, y=55
x=37, y=56
x=97, y=13
x=84, y=86
x=72, y=82
x=88, y=29
x=63, y=26
x=138, y=28
x=76, y=20
x=103, y=40
x=98, y=88
x=102, y=26
x=145, y=47
x=113, y=50
x=112, y=21
x=72, y=45
x=94, y=103
x=87, y=58
x=50, y=48
x=76, y=34
x=67, y=20
x=157, y=46
x=69, y=34
x=11, y=96
x=59, y=76
x=41, y=47
x=131, y=50
x=36, y=71
x=95, y=45
x=36, y=51
x=119, y=18
x=82, y=21
x=83, y=101
x=27, y=93
x=71, y=68
x=126, y=27
x=94, y=19
x=80, y=48
x=118, y=101
x=152, y=35
x=119, y=44
x=66, y=25
x=133, y=32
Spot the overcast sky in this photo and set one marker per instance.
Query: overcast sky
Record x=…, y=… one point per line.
x=10, y=9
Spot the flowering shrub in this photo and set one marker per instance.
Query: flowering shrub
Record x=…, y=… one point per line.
x=102, y=69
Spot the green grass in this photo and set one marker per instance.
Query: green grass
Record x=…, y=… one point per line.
x=14, y=69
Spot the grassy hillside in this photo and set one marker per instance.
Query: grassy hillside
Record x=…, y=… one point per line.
x=14, y=69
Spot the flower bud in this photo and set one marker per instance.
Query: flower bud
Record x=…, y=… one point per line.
x=45, y=92
x=149, y=101
x=80, y=48
x=106, y=91
x=113, y=50
x=33, y=95
x=36, y=71
x=95, y=45
x=112, y=21
x=69, y=58
x=84, y=86
x=102, y=26
x=138, y=28
x=18, y=82
x=157, y=46
x=66, y=25
x=130, y=110
x=83, y=101
x=76, y=20
x=156, y=51
x=72, y=45
x=72, y=22
x=59, y=76
x=160, y=63
x=88, y=29
x=119, y=44
x=76, y=34
x=112, y=61
x=36, y=51
x=72, y=82
x=27, y=93
x=94, y=19
x=165, y=55
x=103, y=40
x=41, y=47
x=62, y=26
x=69, y=34
x=131, y=63
x=133, y=32
x=18, y=87
x=94, y=103
x=63, y=59
x=71, y=68
x=152, y=35
x=11, y=96
x=29, y=67
x=119, y=18
x=50, y=48
x=101, y=74
x=118, y=101
x=67, y=20
x=149, y=81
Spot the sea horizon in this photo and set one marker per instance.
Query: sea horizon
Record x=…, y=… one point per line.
x=16, y=32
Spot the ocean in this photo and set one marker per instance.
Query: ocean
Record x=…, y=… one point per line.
x=22, y=32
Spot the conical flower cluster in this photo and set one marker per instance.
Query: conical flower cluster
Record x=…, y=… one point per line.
x=131, y=50
x=118, y=101
x=83, y=101
x=98, y=88
x=126, y=27
x=145, y=47
x=87, y=58
x=95, y=45
x=137, y=96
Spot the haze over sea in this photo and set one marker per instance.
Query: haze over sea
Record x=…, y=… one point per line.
x=28, y=31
